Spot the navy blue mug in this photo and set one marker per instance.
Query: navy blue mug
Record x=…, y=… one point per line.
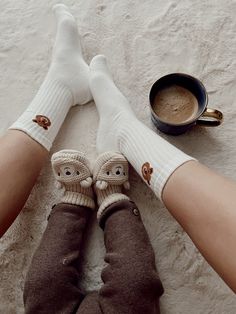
x=204, y=116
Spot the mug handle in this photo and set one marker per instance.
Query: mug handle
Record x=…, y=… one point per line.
x=213, y=114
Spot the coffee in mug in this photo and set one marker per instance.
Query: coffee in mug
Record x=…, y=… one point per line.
x=179, y=101
x=175, y=104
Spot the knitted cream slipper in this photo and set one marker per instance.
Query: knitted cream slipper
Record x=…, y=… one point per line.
x=71, y=170
x=110, y=173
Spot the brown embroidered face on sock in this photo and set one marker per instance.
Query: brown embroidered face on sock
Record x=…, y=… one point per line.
x=147, y=171
x=42, y=121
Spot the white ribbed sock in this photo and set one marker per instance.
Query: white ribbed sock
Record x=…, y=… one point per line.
x=65, y=85
x=119, y=130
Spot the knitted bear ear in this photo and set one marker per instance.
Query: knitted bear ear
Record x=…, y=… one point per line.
x=86, y=183
x=126, y=185
x=101, y=185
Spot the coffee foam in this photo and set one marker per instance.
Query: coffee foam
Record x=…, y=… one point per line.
x=175, y=104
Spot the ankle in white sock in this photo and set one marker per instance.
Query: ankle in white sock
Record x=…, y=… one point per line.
x=153, y=158
x=65, y=85
x=112, y=106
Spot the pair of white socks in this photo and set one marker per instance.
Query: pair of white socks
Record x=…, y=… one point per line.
x=71, y=81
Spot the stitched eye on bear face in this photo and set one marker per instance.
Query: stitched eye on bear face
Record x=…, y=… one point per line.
x=118, y=171
x=67, y=170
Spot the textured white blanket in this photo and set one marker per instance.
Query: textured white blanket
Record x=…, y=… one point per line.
x=142, y=40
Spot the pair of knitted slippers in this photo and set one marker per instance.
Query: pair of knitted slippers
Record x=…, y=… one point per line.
x=109, y=175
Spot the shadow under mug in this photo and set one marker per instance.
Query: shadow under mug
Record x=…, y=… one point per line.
x=204, y=116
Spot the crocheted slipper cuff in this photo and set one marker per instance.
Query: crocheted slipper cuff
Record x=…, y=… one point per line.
x=76, y=198
x=113, y=198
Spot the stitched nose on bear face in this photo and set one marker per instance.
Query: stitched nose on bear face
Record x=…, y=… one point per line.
x=117, y=170
x=68, y=173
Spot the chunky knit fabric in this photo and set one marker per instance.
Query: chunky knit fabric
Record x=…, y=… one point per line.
x=71, y=170
x=110, y=174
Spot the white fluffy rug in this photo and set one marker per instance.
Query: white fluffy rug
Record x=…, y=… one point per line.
x=143, y=40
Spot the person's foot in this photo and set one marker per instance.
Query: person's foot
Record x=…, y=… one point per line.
x=110, y=175
x=113, y=108
x=151, y=156
x=68, y=66
x=72, y=173
x=66, y=84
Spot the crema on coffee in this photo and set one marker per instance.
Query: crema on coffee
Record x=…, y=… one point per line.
x=175, y=104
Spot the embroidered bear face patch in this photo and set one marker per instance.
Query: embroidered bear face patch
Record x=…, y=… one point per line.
x=147, y=171
x=42, y=121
